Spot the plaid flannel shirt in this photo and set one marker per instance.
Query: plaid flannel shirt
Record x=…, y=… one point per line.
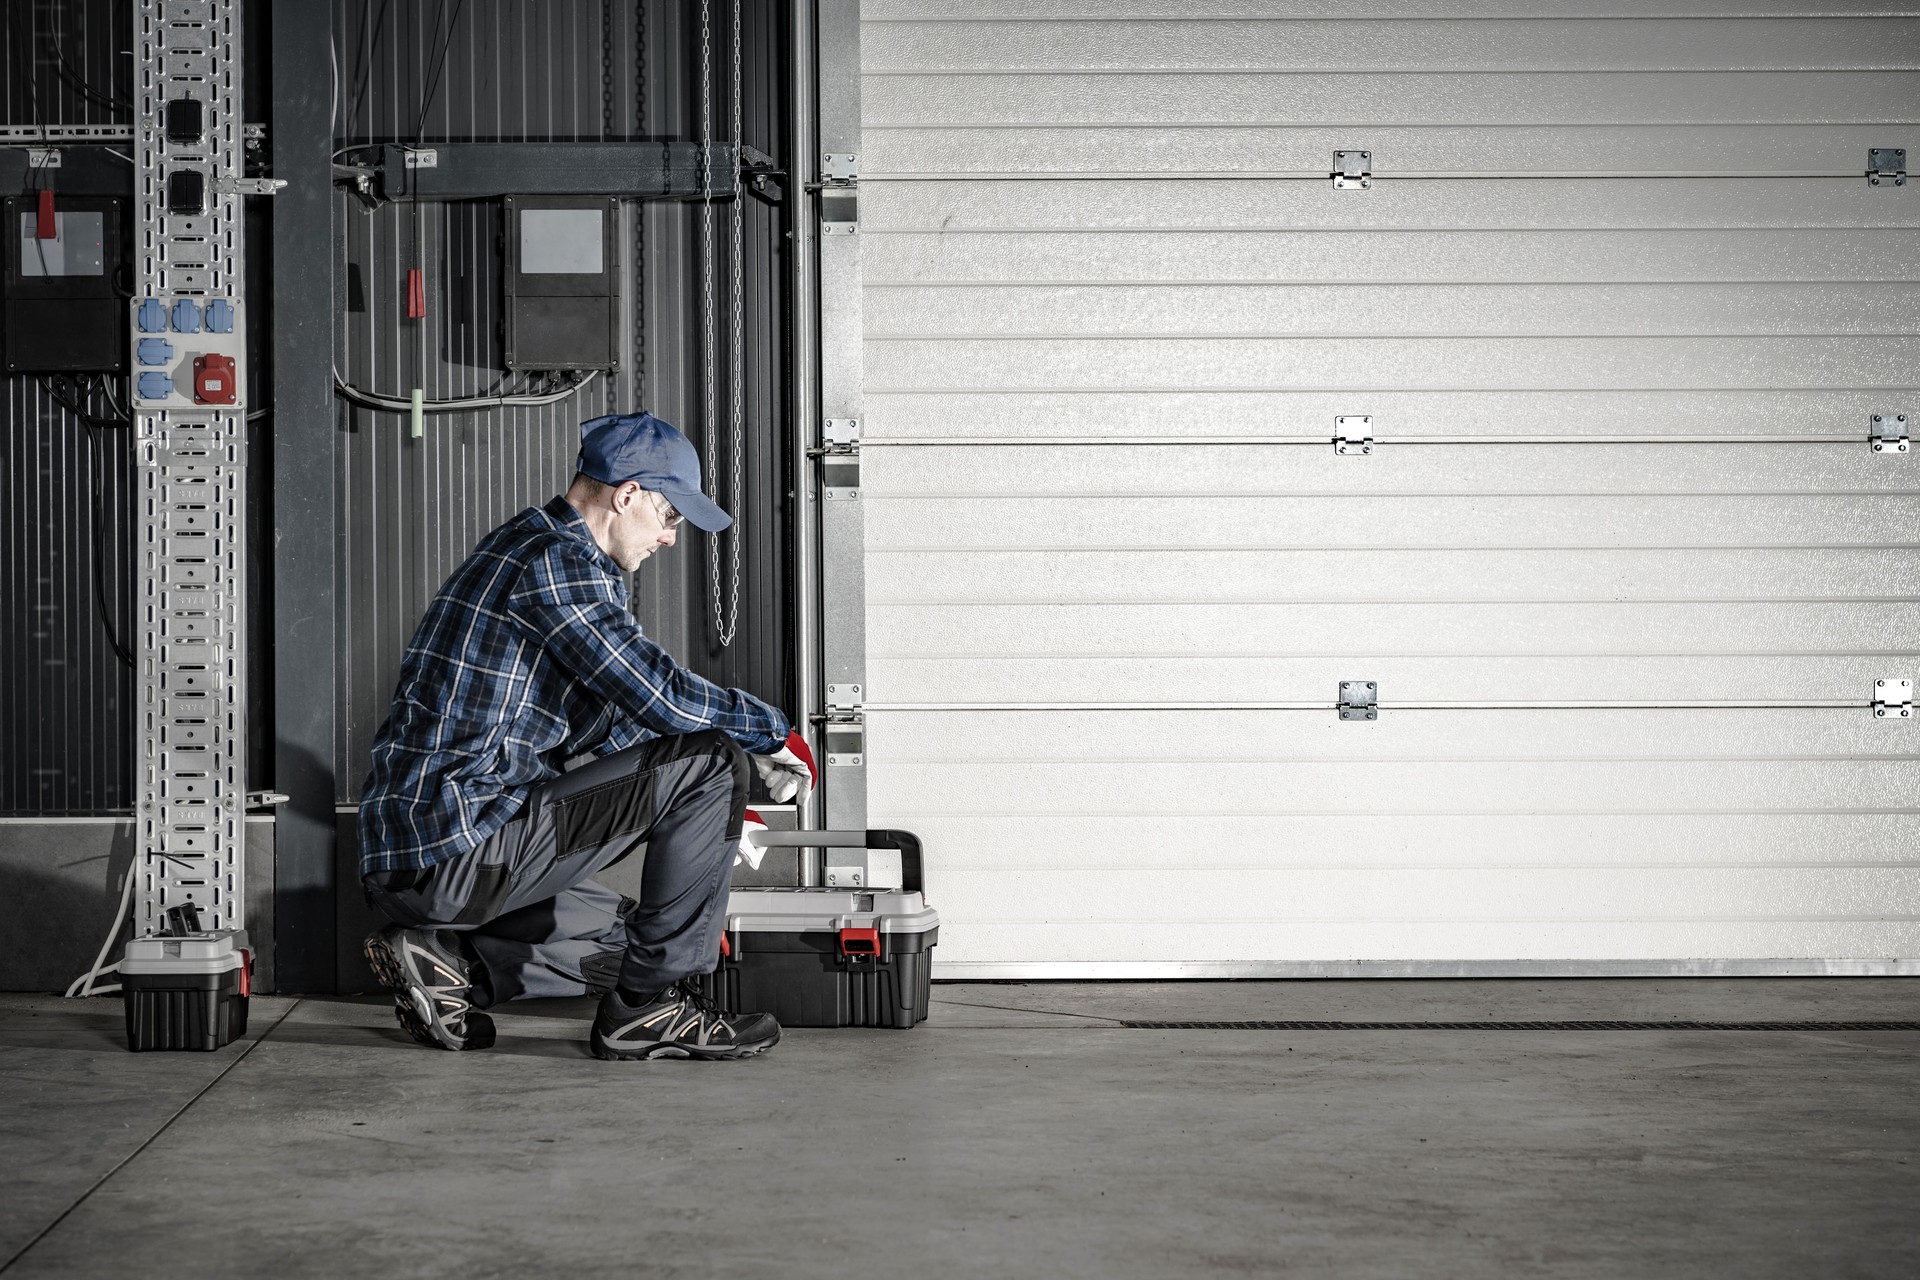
x=527, y=657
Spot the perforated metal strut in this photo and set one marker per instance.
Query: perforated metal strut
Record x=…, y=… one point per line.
x=188, y=322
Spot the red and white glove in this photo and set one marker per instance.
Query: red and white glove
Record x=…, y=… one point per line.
x=788, y=772
x=749, y=852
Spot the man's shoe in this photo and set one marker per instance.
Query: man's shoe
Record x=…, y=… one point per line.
x=431, y=995
x=678, y=1024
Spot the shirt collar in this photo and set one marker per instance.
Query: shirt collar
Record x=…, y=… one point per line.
x=569, y=521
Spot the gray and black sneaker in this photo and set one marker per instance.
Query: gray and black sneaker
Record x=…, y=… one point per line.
x=431, y=995
x=680, y=1023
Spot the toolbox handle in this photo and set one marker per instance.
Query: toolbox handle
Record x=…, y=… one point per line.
x=912, y=862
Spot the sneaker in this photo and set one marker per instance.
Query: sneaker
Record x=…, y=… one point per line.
x=431, y=996
x=680, y=1023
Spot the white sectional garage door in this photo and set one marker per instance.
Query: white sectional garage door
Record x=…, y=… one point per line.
x=1618, y=304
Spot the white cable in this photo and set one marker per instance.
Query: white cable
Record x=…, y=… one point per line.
x=82, y=986
x=394, y=404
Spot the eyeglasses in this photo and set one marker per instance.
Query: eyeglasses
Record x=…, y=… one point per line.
x=668, y=516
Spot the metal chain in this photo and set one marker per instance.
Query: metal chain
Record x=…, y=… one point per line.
x=738, y=479
x=712, y=434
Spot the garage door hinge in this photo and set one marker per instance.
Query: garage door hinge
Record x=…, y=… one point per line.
x=1887, y=166
x=1889, y=433
x=1359, y=700
x=840, y=459
x=839, y=193
x=1893, y=698
x=1352, y=170
x=846, y=725
x=1353, y=434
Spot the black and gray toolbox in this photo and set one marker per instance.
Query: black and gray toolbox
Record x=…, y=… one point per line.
x=832, y=955
x=186, y=988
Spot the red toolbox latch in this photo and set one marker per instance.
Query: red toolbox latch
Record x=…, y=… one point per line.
x=246, y=972
x=726, y=947
x=860, y=945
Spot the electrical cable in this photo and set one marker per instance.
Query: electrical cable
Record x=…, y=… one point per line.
x=82, y=986
x=79, y=85
x=394, y=404
x=72, y=395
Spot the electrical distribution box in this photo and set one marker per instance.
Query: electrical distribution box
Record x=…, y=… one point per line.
x=561, y=265
x=64, y=310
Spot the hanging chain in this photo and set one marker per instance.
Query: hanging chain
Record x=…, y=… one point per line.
x=738, y=479
x=712, y=440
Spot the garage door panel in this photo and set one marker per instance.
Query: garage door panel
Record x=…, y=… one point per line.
x=1503, y=257
x=1151, y=576
x=1364, y=630
x=876, y=11
x=1390, y=310
x=1389, y=363
x=1547, y=44
x=908, y=414
x=1038, y=205
x=1313, y=521
x=1521, y=150
x=1344, y=101
x=979, y=950
x=1092, y=738
x=999, y=848
x=1236, y=473
x=1661, y=679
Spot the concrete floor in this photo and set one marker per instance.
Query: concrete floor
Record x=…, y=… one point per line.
x=1022, y=1132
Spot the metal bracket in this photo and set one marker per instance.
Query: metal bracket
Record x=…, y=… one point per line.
x=1893, y=698
x=1352, y=169
x=1353, y=434
x=1886, y=166
x=420, y=158
x=846, y=725
x=842, y=435
x=250, y=186
x=1359, y=700
x=43, y=157
x=1889, y=433
x=840, y=168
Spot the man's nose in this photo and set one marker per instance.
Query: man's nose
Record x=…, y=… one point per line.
x=669, y=536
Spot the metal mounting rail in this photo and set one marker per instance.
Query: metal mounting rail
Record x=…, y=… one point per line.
x=188, y=322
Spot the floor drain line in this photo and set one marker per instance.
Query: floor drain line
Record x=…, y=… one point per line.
x=1521, y=1026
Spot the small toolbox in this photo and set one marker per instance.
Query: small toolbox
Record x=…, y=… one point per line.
x=186, y=988
x=831, y=956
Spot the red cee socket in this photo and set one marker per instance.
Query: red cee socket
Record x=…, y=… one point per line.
x=214, y=380
x=45, y=228
x=416, y=294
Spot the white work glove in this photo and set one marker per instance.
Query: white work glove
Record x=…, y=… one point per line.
x=788, y=772
x=749, y=852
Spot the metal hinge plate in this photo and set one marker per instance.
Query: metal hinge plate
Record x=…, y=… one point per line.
x=846, y=725
x=840, y=168
x=1886, y=166
x=842, y=435
x=1359, y=700
x=1888, y=433
x=1893, y=698
x=1352, y=170
x=1353, y=434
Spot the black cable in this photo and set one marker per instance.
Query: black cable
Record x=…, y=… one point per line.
x=78, y=85
x=363, y=73
x=72, y=395
x=433, y=81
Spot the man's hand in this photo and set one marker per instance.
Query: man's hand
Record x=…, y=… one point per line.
x=788, y=772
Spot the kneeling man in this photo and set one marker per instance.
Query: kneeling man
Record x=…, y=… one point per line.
x=481, y=849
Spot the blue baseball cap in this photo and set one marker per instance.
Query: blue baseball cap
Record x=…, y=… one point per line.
x=640, y=447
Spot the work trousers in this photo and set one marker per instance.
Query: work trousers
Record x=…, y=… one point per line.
x=529, y=912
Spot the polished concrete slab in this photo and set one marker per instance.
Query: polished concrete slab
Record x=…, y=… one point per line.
x=1022, y=1131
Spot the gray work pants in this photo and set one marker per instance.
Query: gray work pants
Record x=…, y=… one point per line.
x=523, y=899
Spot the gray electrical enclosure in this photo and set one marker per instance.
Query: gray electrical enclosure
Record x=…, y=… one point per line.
x=560, y=282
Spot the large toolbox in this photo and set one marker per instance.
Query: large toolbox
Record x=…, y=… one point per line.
x=187, y=990
x=831, y=955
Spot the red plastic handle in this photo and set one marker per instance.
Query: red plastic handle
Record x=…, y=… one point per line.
x=416, y=294
x=859, y=942
x=45, y=228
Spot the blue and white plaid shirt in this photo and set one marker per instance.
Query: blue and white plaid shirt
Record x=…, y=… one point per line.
x=526, y=658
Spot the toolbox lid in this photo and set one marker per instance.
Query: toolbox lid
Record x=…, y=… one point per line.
x=793, y=910
x=209, y=951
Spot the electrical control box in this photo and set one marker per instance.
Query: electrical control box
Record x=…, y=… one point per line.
x=561, y=265
x=64, y=312
x=188, y=350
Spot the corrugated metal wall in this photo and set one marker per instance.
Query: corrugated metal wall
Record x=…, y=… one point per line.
x=411, y=509
x=1111, y=294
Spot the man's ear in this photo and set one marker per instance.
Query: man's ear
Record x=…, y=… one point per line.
x=624, y=496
